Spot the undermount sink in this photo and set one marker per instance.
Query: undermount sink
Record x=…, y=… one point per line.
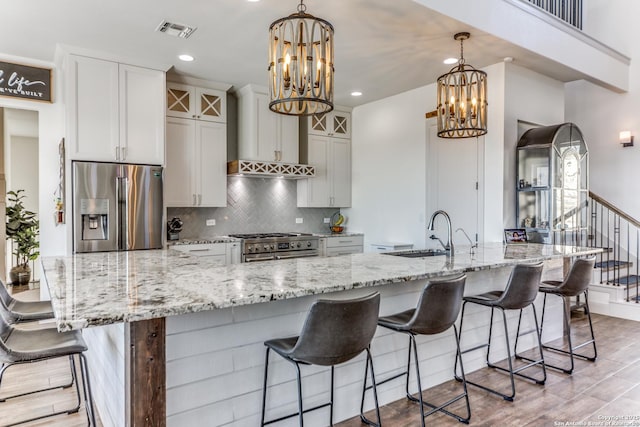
x=421, y=253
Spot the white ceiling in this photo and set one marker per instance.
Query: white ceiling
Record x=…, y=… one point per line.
x=382, y=47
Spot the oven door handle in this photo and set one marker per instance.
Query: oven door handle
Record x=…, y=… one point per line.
x=267, y=258
x=296, y=256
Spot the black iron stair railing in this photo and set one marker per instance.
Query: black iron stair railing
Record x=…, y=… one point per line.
x=619, y=233
x=570, y=11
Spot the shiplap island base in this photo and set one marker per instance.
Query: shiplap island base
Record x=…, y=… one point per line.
x=177, y=343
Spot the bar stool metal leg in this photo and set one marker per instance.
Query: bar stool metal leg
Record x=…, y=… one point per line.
x=369, y=367
x=566, y=314
x=512, y=372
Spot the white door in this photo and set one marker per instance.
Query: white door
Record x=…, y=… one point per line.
x=453, y=183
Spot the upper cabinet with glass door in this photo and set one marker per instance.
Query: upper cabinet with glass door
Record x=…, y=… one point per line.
x=553, y=168
x=190, y=102
x=336, y=124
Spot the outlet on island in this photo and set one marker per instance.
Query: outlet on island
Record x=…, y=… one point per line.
x=299, y=221
x=211, y=222
x=327, y=220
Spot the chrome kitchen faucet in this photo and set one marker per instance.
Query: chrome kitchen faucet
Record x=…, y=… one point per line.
x=449, y=246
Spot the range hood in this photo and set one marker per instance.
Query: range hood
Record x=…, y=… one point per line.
x=263, y=169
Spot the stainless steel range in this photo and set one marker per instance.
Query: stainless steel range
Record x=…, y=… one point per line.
x=270, y=246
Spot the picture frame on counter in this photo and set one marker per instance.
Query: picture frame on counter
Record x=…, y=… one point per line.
x=25, y=82
x=515, y=235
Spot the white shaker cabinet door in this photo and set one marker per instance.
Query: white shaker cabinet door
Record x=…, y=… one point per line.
x=211, y=161
x=178, y=174
x=92, y=109
x=142, y=106
x=340, y=171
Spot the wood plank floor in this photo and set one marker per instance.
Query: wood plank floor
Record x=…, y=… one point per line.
x=608, y=387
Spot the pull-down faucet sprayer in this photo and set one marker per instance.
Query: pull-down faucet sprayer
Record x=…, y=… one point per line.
x=449, y=246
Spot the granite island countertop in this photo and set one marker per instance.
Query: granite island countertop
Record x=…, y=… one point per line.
x=112, y=287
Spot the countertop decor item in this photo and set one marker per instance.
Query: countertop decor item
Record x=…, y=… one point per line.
x=337, y=219
x=462, y=99
x=301, y=64
x=174, y=227
x=22, y=227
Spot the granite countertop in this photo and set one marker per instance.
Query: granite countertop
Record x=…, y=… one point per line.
x=113, y=287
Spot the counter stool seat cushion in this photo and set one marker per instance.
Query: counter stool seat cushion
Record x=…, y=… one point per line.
x=283, y=346
x=553, y=287
x=488, y=298
x=37, y=310
x=398, y=321
x=30, y=345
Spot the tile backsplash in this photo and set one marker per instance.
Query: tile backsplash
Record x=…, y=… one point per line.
x=254, y=205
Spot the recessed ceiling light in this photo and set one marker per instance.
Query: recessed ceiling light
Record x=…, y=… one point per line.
x=185, y=58
x=253, y=1
x=356, y=93
x=450, y=61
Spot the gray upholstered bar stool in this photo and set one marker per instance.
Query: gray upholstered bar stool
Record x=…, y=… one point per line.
x=24, y=311
x=437, y=310
x=520, y=293
x=334, y=332
x=575, y=284
x=20, y=346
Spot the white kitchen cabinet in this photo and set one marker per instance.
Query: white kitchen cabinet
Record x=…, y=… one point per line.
x=214, y=254
x=331, y=185
x=263, y=134
x=115, y=112
x=336, y=123
x=196, y=169
x=211, y=254
x=341, y=245
x=191, y=102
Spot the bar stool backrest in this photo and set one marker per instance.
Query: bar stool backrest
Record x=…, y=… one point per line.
x=522, y=287
x=337, y=330
x=438, y=307
x=5, y=331
x=5, y=298
x=579, y=277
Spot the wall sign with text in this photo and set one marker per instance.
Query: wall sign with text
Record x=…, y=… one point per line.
x=24, y=81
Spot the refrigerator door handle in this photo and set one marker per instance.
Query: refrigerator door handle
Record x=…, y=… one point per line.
x=123, y=211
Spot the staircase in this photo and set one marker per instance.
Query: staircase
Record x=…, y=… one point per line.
x=616, y=278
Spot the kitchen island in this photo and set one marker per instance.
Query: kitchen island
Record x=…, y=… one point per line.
x=147, y=311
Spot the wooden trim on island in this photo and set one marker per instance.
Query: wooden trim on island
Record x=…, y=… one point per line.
x=146, y=393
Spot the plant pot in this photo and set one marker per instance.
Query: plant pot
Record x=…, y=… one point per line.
x=20, y=275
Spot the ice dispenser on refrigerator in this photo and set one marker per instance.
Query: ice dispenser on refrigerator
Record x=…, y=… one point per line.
x=116, y=207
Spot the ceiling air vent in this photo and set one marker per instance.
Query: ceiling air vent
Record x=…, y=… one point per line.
x=176, y=30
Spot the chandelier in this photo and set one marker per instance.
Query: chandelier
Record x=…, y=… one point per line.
x=301, y=64
x=462, y=99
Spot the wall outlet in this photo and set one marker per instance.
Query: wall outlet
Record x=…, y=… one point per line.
x=211, y=222
x=327, y=220
x=299, y=221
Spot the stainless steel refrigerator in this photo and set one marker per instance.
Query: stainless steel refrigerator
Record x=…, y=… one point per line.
x=116, y=207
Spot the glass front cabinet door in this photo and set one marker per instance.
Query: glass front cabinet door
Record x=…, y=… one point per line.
x=552, y=184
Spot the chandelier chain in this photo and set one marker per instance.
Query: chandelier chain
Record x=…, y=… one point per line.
x=461, y=60
x=302, y=8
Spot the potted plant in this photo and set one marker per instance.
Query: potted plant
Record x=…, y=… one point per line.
x=22, y=228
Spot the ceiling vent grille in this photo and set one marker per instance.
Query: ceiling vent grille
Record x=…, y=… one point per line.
x=176, y=30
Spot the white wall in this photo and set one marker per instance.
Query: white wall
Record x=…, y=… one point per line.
x=601, y=114
x=388, y=169
x=50, y=132
x=530, y=97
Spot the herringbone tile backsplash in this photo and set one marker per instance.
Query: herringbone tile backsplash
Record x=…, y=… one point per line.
x=254, y=205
